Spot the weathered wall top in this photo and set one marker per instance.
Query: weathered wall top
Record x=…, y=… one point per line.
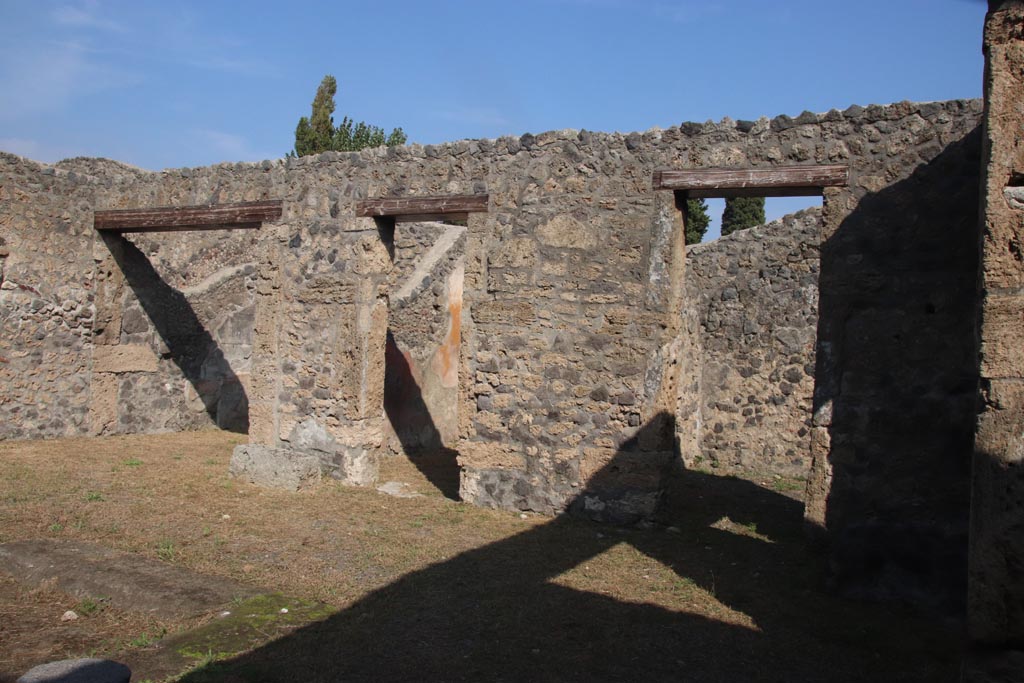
x=716, y=132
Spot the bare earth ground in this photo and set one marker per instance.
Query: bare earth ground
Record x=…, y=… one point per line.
x=429, y=589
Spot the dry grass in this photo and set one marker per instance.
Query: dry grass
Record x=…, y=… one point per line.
x=429, y=589
x=32, y=632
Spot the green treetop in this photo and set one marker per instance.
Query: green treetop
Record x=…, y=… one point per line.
x=318, y=133
x=742, y=212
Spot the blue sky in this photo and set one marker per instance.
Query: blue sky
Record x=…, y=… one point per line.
x=185, y=83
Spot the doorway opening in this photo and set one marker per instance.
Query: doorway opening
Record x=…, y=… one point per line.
x=426, y=238
x=421, y=363
x=753, y=300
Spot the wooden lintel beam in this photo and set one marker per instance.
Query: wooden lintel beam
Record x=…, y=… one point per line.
x=781, y=181
x=459, y=216
x=176, y=218
x=422, y=206
x=753, y=192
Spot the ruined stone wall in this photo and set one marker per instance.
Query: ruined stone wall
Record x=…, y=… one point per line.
x=576, y=356
x=896, y=369
x=996, y=594
x=756, y=297
x=185, y=309
x=115, y=335
x=47, y=285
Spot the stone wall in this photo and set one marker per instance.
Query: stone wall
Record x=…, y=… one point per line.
x=321, y=326
x=756, y=297
x=996, y=593
x=896, y=371
x=47, y=285
x=175, y=354
x=140, y=335
x=577, y=361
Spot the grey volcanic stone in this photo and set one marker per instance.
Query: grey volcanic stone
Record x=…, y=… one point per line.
x=275, y=467
x=1014, y=197
x=78, y=671
x=310, y=435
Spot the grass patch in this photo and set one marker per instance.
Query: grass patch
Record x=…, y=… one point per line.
x=165, y=550
x=458, y=590
x=146, y=639
x=787, y=485
x=87, y=606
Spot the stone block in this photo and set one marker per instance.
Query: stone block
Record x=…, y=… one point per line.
x=1003, y=243
x=1001, y=332
x=310, y=435
x=621, y=487
x=121, y=358
x=489, y=455
x=355, y=466
x=503, y=313
x=1014, y=197
x=510, y=489
x=819, y=482
x=1001, y=425
x=275, y=467
x=565, y=232
x=629, y=507
x=103, y=406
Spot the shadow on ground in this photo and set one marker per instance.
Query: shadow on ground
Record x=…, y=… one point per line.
x=498, y=613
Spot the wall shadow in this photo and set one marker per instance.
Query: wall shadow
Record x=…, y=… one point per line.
x=187, y=342
x=500, y=613
x=896, y=383
x=412, y=423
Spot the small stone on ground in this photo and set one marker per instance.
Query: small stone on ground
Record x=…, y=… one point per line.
x=78, y=671
x=398, y=489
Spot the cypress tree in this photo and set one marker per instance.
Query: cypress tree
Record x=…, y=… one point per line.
x=319, y=134
x=304, y=141
x=742, y=212
x=322, y=121
x=697, y=220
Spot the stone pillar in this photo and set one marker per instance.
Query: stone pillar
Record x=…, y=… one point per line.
x=836, y=204
x=317, y=405
x=666, y=276
x=265, y=366
x=109, y=301
x=474, y=290
x=995, y=582
x=689, y=400
x=625, y=485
